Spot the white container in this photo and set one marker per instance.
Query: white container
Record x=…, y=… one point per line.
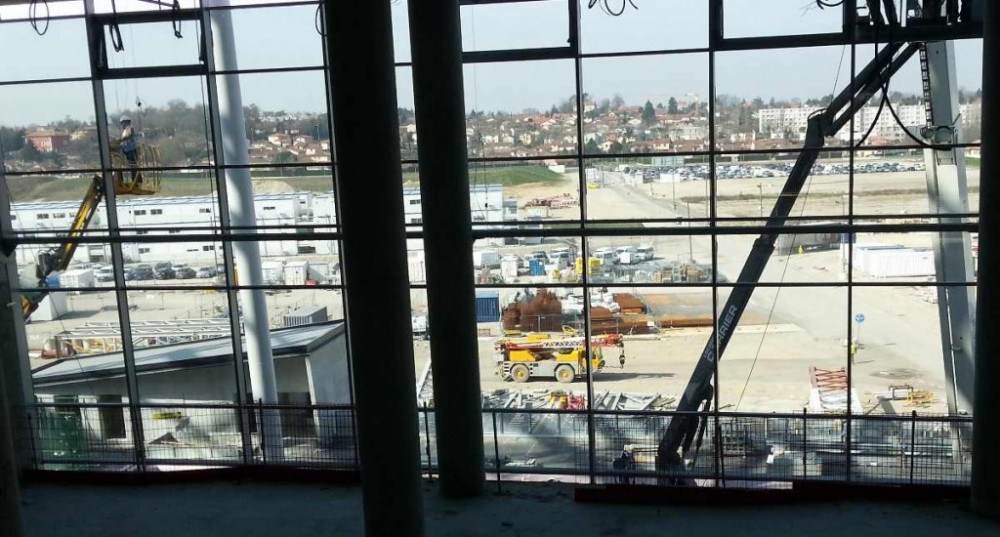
x=415, y=266
x=51, y=308
x=509, y=266
x=296, y=272
x=77, y=278
x=273, y=271
x=485, y=258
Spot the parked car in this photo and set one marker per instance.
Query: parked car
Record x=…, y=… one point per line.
x=143, y=272
x=104, y=274
x=206, y=272
x=163, y=271
x=185, y=273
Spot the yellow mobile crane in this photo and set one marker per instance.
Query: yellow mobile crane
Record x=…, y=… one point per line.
x=559, y=356
x=57, y=259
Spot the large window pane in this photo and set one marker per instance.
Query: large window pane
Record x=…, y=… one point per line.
x=646, y=104
x=48, y=126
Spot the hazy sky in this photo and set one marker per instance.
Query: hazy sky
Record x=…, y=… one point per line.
x=286, y=36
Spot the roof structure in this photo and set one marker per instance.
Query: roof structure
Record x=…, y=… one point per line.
x=285, y=342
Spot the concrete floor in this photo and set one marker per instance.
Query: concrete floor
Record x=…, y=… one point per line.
x=289, y=510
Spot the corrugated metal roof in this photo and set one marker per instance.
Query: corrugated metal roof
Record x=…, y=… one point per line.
x=293, y=341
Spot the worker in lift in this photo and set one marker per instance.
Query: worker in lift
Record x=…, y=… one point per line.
x=128, y=144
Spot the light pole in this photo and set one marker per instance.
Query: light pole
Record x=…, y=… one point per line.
x=760, y=190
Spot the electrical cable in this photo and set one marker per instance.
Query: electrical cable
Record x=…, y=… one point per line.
x=884, y=86
x=605, y=6
x=33, y=16
x=114, y=31
x=176, y=22
x=320, y=23
x=823, y=4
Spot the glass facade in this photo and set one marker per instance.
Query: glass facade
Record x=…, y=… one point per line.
x=621, y=168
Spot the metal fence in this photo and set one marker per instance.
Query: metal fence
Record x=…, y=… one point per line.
x=585, y=446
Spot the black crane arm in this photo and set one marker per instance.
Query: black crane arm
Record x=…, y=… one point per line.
x=683, y=427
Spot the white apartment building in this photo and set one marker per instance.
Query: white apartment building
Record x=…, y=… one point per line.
x=777, y=121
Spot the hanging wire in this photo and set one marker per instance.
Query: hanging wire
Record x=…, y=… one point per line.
x=114, y=30
x=176, y=22
x=33, y=16
x=825, y=4
x=320, y=23
x=606, y=6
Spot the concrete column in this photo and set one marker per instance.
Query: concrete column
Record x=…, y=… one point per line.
x=11, y=384
x=235, y=151
x=986, y=405
x=10, y=495
x=369, y=186
x=436, y=51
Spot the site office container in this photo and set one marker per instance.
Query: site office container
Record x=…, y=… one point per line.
x=487, y=306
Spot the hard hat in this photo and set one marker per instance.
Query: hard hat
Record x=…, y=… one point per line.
x=124, y=119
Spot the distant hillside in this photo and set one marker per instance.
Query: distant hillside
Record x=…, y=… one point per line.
x=54, y=188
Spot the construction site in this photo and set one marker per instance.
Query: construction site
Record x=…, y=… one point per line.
x=635, y=254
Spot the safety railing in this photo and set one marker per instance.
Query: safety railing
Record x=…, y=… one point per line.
x=595, y=447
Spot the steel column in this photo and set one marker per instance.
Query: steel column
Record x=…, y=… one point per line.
x=243, y=388
x=438, y=90
x=253, y=306
x=369, y=184
x=114, y=231
x=986, y=440
x=948, y=194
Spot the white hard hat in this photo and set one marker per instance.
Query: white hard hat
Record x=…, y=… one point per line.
x=124, y=119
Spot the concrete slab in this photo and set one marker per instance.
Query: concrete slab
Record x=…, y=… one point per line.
x=289, y=510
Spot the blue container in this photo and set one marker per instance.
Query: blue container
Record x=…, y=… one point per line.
x=52, y=280
x=487, y=306
x=536, y=268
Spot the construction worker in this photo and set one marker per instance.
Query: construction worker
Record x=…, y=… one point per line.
x=128, y=144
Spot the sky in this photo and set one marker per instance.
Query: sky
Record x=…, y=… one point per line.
x=286, y=36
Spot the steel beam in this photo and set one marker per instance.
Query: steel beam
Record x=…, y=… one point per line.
x=986, y=441
x=369, y=184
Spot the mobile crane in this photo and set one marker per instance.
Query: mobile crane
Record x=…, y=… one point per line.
x=559, y=356
x=58, y=259
x=686, y=427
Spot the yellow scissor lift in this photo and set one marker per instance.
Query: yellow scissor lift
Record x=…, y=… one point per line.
x=146, y=182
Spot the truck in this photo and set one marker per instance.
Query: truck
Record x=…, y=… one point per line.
x=562, y=356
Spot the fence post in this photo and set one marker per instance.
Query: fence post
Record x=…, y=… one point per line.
x=496, y=450
x=805, y=458
x=427, y=446
x=261, y=423
x=29, y=415
x=913, y=444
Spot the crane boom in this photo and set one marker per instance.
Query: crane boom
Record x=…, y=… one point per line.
x=59, y=258
x=684, y=426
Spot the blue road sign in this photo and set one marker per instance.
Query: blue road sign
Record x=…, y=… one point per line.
x=859, y=318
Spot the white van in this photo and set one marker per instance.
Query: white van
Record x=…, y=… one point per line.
x=626, y=255
x=644, y=253
x=607, y=256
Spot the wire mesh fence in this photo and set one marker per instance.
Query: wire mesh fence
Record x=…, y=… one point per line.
x=598, y=446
